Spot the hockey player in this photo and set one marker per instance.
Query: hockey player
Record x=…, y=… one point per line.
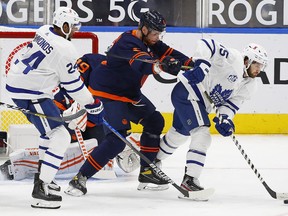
x=127, y=160
x=50, y=60
x=229, y=79
x=118, y=83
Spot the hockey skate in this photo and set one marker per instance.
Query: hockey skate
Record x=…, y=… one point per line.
x=53, y=187
x=43, y=198
x=149, y=180
x=6, y=171
x=196, y=192
x=77, y=186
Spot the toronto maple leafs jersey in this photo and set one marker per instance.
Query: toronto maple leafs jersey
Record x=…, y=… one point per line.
x=49, y=60
x=225, y=82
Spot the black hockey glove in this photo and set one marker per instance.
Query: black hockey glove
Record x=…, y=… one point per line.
x=170, y=65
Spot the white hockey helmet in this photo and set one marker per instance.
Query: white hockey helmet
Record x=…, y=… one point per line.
x=66, y=15
x=257, y=53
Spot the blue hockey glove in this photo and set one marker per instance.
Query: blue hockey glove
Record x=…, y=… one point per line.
x=197, y=75
x=171, y=65
x=95, y=112
x=224, y=125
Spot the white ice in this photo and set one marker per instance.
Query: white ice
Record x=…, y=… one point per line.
x=238, y=191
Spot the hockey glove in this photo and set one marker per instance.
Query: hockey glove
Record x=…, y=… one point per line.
x=224, y=125
x=170, y=65
x=189, y=62
x=95, y=112
x=197, y=75
x=79, y=122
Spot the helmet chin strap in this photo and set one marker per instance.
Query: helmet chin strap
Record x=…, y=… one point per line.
x=143, y=35
x=66, y=34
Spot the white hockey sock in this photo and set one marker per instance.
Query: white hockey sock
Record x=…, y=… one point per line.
x=170, y=142
x=43, y=146
x=59, y=140
x=195, y=158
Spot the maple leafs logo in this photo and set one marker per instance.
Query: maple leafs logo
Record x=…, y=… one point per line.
x=218, y=96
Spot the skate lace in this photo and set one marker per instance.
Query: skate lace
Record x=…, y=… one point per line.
x=165, y=178
x=82, y=180
x=196, y=182
x=45, y=188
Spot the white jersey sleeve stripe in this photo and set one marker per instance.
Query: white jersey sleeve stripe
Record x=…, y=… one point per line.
x=76, y=89
x=233, y=110
x=71, y=82
x=233, y=105
x=21, y=90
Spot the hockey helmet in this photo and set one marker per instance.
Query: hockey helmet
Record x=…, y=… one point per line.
x=257, y=53
x=153, y=20
x=66, y=15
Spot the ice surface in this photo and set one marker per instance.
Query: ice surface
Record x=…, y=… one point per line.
x=238, y=191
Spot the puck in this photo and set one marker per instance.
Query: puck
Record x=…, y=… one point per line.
x=285, y=201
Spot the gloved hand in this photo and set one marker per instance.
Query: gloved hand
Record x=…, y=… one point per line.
x=224, y=125
x=189, y=62
x=79, y=122
x=197, y=75
x=170, y=65
x=95, y=112
x=61, y=98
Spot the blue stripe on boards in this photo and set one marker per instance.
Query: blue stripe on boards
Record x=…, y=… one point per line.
x=178, y=29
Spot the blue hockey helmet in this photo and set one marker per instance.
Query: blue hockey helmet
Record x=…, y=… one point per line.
x=153, y=20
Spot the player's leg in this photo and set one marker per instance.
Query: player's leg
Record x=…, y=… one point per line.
x=116, y=115
x=153, y=123
x=57, y=139
x=172, y=139
x=194, y=118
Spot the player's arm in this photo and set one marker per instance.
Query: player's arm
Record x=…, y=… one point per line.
x=87, y=64
x=163, y=50
x=244, y=92
x=70, y=79
x=166, y=64
x=74, y=86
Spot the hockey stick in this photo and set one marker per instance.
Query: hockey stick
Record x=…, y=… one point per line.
x=187, y=194
x=275, y=195
x=150, y=61
x=53, y=118
x=81, y=143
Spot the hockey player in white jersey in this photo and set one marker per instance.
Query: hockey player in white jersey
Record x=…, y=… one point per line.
x=228, y=77
x=50, y=60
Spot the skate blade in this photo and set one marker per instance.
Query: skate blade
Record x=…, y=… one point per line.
x=73, y=191
x=152, y=187
x=45, y=204
x=202, y=195
x=105, y=174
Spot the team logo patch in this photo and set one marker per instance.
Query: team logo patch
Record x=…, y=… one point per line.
x=124, y=121
x=232, y=78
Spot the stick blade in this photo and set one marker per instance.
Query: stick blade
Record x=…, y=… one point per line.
x=282, y=196
x=74, y=116
x=201, y=195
